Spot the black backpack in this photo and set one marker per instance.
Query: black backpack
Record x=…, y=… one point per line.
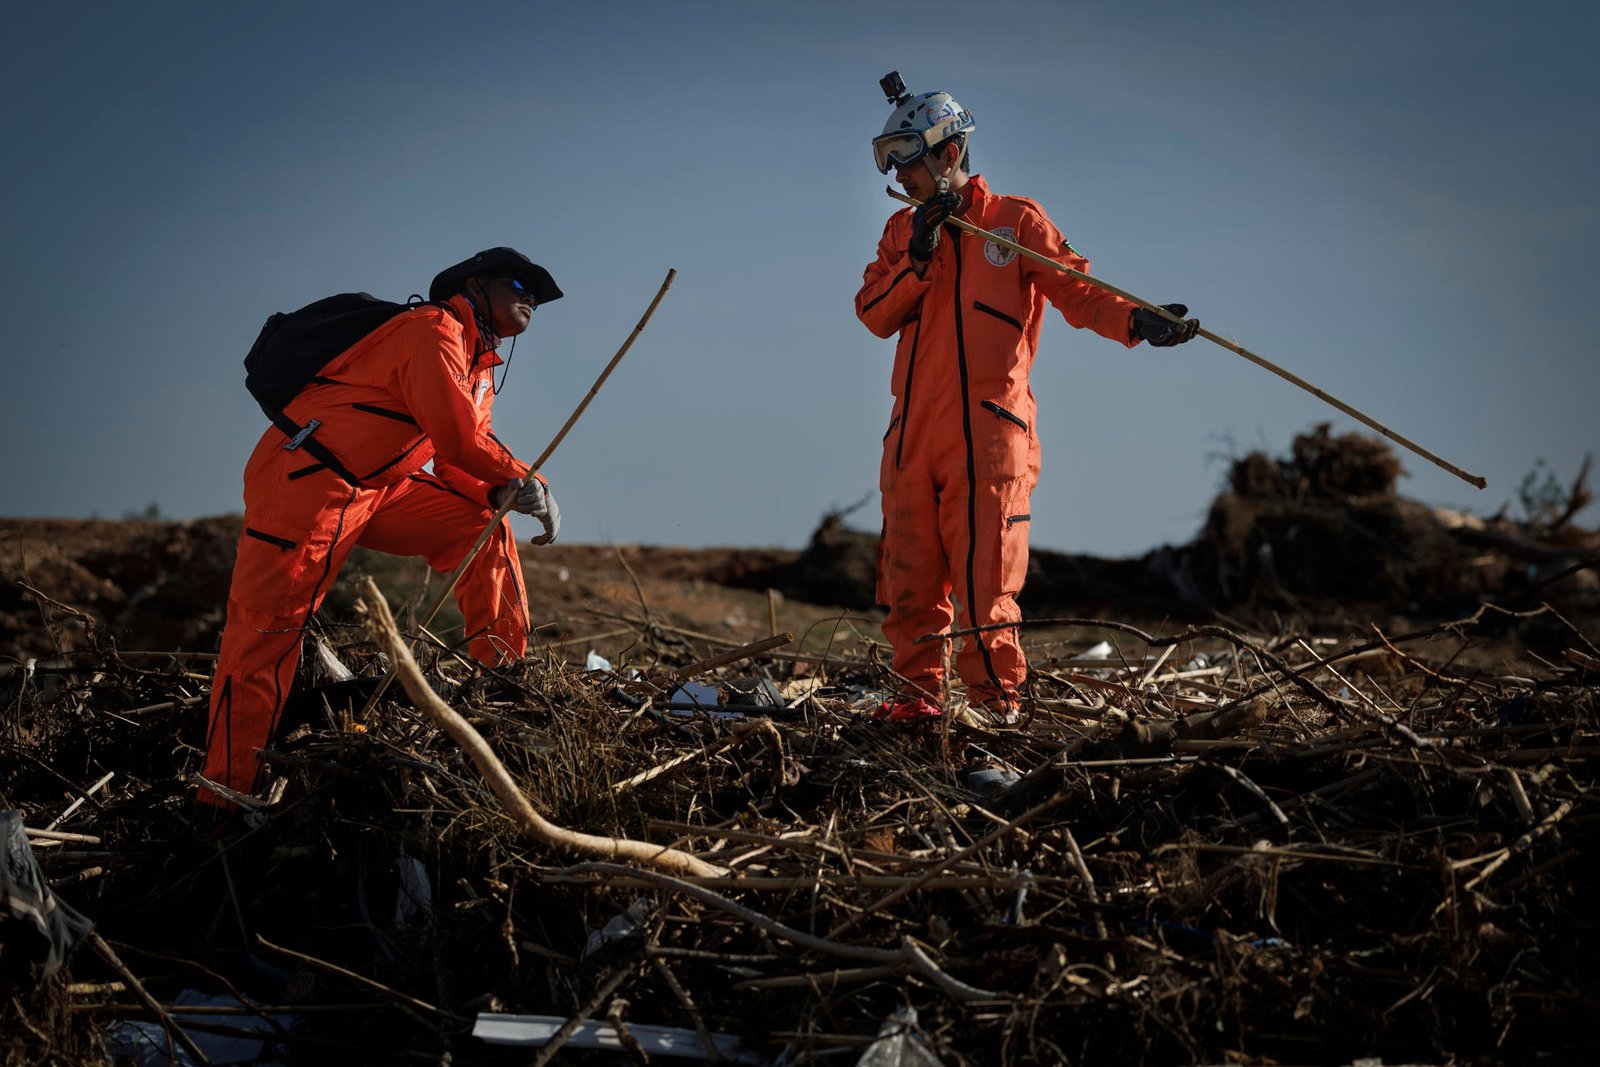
x=294, y=346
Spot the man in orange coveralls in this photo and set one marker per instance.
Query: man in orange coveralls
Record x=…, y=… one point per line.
x=419, y=387
x=960, y=457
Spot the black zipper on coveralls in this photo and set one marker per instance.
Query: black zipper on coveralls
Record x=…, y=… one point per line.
x=972, y=471
x=1001, y=413
x=905, y=394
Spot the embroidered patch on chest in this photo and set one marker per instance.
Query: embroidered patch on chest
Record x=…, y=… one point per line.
x=998, y=254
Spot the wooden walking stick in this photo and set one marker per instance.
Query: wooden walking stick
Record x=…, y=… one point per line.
x=1470, y=479
x=510, y=497
x=505, y=505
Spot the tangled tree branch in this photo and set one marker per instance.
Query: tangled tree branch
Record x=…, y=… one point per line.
x=536, y=826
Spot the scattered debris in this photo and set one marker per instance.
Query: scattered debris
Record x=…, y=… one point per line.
x=1228, y=843
x=38, y=931
x=1306, y=837
x=537, y=1031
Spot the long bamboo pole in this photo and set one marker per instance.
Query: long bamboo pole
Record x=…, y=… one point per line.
x=1288, y=376
x=505, y=506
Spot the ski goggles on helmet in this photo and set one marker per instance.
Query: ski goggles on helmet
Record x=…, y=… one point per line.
x=897, y=150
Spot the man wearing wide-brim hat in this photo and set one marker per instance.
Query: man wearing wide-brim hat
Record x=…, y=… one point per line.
x=419, y=387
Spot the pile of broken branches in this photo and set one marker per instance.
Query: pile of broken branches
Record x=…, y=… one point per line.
x=1207, y=846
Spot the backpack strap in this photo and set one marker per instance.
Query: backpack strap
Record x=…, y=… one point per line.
x=304, y=437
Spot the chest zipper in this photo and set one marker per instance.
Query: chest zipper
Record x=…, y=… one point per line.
x=905, y=396
x=961, y=366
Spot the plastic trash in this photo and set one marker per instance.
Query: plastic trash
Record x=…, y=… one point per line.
x=329, y=665
x=625, y=927
x=756, y=692
x=692, y=698
x=145, y=1044
x=899, y=1044
x=594, y=661
x=867, y=698
x=799, y=689
x=535, y=1031
x=704, y=696
x=1018, y=899
x=414, y=899
x=992, y=781
x=38, y=929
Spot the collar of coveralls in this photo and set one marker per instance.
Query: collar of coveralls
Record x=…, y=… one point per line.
x=472, y=338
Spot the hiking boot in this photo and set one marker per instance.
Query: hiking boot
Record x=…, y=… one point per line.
x=913, y=710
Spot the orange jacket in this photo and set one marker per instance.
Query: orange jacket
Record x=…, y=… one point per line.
x=416, y=388
x=972, y=321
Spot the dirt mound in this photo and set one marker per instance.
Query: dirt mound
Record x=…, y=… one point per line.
x=1324, y=530
x=1320, y=533
x=1319, y=465
x=838, y=566
x=167, y=582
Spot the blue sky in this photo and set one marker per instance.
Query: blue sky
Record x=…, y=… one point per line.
x=1395, y=201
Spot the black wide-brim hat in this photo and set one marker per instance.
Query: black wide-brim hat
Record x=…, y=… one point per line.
x=496, y=263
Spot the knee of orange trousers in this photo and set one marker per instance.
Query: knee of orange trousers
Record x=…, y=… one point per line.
x=255, y=669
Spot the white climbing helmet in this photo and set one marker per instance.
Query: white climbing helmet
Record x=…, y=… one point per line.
x=918, y=123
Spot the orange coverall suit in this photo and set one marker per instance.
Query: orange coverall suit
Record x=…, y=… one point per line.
x=419, y=387
x=960, y=457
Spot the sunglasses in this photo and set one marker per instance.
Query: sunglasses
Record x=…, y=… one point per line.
x=523, y=292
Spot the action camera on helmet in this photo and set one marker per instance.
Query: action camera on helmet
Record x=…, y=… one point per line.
x=894, y=87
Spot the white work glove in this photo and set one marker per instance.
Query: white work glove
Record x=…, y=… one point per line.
x=534, y=498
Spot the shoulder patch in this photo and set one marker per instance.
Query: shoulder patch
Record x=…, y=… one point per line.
x=999, y=255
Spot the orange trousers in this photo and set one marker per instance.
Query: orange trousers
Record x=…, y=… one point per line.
x=296, y=538
x=955, y=523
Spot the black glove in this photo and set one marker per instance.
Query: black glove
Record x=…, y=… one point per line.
x=926, y=220
x=1158, y=332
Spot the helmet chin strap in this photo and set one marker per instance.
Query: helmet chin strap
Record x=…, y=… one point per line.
x=942, y=181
